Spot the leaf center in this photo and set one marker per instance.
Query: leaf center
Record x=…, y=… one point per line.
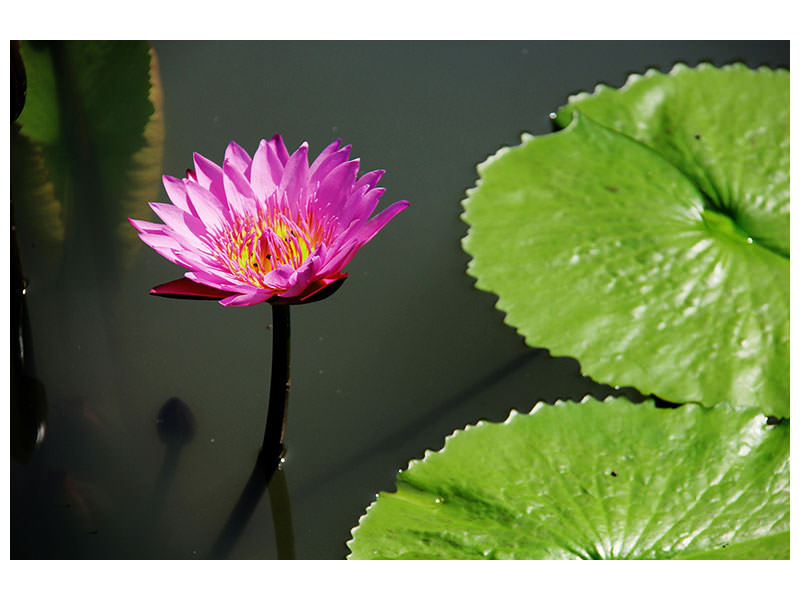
x=721, y=224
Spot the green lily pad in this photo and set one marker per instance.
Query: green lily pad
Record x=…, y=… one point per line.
x=727, y=129
x=603, y=480
x=601, y=248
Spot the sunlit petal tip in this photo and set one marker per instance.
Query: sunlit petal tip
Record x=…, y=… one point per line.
x=176, y=191
x=234, y=149
x=332, y=147
x=340, y=180
x=382, y=219
x=199, y=159
x=279, y=148
x=271, y=228
x=239, y=157
x=300, y=154
x=370, y=179
x=169, y=180
x=139, y=225
x=207, y=173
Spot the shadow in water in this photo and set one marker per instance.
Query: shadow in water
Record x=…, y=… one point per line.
x=579, y=386
x=266, y=474
x=176, y=426
x=424, y=419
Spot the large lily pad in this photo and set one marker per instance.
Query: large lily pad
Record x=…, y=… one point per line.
x=605, y=249
x=592, y=480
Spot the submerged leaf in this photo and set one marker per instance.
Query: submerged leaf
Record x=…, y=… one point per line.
x=94, y=120
x=592, y=480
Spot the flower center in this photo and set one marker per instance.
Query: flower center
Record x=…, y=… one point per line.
x=252, y=247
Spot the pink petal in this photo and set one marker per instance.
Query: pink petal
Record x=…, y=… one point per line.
x=206, y=206
x=218, y=282
x=157, y=240
x=199, y=261
x=147, y=227
x=342, y=256
x=176, y=190
x=301, y=278
x=247, y=299
x=360, y=205
x=278, y=278
x=328, y=164
x=335, y=188
x=189, y=227
x=266, y=171
x=369, y=179
x=379, y=222
x=239, y=157
x=301, y=281
x=238, y=192
x=208, y=174
x=295, y=174
x=329, y=149
x=279, y=148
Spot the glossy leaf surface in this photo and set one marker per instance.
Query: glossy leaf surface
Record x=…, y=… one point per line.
x=592, y=480
x=727, y=129
x=601, y=248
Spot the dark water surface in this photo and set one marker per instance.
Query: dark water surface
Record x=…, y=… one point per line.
x=155, y=408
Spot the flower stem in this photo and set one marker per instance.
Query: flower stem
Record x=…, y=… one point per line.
x=272, y=449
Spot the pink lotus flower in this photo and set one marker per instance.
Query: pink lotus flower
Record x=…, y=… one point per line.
x=271, y=228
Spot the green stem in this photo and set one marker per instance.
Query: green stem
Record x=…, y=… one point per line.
x=273, y=448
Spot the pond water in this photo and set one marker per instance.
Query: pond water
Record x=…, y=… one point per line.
x=150, y=411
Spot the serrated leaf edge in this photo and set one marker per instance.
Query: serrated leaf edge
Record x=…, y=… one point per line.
x=513, y=413
x=537, y=407
x=526, y=137
x=679, y=66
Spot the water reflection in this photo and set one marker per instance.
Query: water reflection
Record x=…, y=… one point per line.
x=19, y=82
x=93, y=134
x=28, y=399
x=264, y=476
